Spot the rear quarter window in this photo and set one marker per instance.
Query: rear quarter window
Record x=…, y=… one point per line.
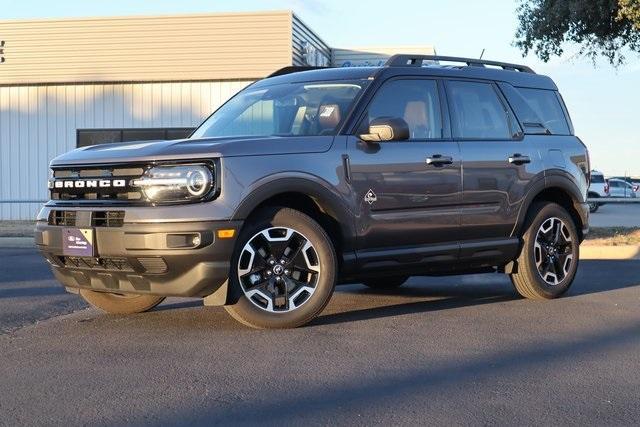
x=538, y=108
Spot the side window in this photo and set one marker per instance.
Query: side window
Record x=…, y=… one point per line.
x=547, y=106
x=477, y=112
x=413, y=100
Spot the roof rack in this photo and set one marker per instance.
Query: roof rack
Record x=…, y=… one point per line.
x=417, y=61
x=293, y=69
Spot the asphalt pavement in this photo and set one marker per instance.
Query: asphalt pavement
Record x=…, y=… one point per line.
x=446, y=351
x=616, y=215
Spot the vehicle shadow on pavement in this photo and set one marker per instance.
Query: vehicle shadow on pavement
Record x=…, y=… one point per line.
x=594, y=276
x=408, y=308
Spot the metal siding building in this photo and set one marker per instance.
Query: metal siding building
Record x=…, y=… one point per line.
x=62, y=80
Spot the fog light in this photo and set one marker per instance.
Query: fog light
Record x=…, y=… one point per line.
x=187, y=240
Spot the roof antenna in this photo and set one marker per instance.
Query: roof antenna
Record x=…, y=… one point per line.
x=482, y=54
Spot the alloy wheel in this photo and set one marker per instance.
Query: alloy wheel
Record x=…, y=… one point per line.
x=553, y=251
x=278, y=269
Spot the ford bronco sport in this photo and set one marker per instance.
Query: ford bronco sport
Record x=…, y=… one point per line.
x=307, y=179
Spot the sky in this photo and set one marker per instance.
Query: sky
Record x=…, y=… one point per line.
x=602, y=100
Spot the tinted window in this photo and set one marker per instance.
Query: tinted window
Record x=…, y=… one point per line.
x=289, y=109
x=547, y=108
x=597, y=179
x=414, y=101
x=477, y=111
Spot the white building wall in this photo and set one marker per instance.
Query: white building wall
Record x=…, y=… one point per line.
x=38, y=123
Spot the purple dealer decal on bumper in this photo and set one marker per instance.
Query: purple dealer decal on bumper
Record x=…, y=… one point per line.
x=77, y=242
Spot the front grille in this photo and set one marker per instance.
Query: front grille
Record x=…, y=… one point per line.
x=97, y=184
x=150, y=265
x=153, y=265
x=67, y=218
x=62, y=218
x=107, y=218
x=104, y=264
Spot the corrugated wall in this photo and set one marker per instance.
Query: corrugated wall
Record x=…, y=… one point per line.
x=38, y=123
x=300, y=33
x=156, y=48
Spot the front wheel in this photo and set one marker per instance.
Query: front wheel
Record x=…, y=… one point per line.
x=284, y=270
x=548, y=261
x=120, y=303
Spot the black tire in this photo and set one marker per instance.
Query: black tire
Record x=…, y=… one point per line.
x=593, y=206
x=120, y=303
x=381, y=283
x=251, y=310
x=540, y=259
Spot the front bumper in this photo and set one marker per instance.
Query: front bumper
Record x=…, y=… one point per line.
x=139, y=258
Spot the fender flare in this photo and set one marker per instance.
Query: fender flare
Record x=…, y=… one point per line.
x=319, y=190
x=560, y=180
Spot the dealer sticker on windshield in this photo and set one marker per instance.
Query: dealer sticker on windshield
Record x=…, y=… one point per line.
x=77, y=242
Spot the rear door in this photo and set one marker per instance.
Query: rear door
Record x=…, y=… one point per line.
x=408, y=192
x=498, y=164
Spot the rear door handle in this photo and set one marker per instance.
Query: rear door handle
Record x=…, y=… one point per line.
x=519, y=159
x=439, y=160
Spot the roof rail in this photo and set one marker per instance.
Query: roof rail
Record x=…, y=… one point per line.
x=417, y=60
x=293, y=69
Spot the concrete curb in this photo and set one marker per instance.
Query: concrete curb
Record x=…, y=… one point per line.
x=610, y=252
x=17, y=242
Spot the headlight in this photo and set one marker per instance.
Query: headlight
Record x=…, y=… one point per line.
x=176, y=183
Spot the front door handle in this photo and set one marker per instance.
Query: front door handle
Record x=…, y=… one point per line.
x=519, y=159
x=439, y=160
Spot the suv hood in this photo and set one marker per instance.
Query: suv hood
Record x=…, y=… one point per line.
x=190, y=149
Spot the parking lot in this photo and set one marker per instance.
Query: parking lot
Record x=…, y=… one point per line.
x=454, y=350
x=616, y=215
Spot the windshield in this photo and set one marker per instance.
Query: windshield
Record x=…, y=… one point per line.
x=291, y=109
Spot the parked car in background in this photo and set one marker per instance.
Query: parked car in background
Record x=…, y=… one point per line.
x=620, y=188
x=597, y=188
x=630, y=180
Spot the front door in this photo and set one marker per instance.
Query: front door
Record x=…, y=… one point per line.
x=408, y=192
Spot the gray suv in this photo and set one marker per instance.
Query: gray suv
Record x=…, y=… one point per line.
x=312, y=178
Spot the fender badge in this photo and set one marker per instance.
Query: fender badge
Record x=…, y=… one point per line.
x=370, y=197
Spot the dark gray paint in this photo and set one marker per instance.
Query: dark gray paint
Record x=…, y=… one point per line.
x=427, y=219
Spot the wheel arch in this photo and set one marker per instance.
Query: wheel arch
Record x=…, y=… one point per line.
x=557, y=189
x=313, y=197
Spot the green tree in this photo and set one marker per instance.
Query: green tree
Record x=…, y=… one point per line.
x=597, y=27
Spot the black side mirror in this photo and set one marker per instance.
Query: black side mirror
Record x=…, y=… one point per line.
x=386, y=129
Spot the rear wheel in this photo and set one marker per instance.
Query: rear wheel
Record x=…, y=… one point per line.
x=120, y=303
x=548, y=261
x=385, y=282
x=284, y=270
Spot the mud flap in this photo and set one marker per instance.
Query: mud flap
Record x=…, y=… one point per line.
x=219, y=297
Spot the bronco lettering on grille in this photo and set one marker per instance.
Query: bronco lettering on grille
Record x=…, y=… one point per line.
x=88, y=183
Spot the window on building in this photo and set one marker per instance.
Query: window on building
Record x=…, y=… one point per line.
x=413, y=100
x=477, y=112
x=86, y=137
